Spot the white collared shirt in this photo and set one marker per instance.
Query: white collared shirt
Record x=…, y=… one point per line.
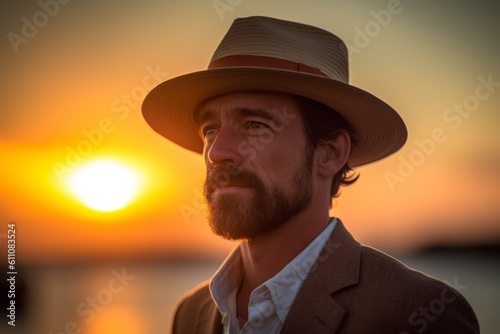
x=270, y=302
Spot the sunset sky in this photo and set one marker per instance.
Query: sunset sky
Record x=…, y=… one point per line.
x=74, y=76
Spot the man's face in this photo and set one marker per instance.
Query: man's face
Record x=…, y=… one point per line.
x=259, y=164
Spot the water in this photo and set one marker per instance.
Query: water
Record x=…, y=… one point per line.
x=140, y=298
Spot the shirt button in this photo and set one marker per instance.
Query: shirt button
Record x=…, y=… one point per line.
x=225, y=319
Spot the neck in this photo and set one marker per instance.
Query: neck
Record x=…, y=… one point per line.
x=265, y=256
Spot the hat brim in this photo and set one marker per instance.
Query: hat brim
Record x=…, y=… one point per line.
x=169, y=108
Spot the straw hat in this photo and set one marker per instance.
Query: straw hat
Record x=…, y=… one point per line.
x=262, y=53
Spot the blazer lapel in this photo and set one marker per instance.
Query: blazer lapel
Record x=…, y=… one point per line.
x=315, y=310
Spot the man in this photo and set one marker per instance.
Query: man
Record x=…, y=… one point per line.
x=280, y=128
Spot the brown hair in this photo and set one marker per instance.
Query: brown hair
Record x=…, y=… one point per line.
x=322, y=123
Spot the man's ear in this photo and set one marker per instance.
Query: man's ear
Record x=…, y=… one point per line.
x=333, y=154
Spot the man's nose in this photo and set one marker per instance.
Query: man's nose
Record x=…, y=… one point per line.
x=225, y=146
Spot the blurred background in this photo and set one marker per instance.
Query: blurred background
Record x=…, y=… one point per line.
x=74, y=74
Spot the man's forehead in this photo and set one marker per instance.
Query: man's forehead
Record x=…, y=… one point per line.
x=250, y=103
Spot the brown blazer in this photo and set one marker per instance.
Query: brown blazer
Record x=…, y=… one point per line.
x=352, y=289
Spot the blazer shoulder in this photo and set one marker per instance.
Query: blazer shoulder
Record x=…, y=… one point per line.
x=196, y=308
x=381, y=268
x=198, y=295
x=426, y=303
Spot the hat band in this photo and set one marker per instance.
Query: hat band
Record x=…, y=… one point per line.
x=263, y=61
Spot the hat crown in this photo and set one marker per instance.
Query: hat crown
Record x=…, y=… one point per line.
x=290, y=41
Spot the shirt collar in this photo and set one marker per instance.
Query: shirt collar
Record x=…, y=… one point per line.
x=226, y=280
x=283, y=287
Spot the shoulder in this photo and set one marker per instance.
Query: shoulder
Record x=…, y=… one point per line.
x=388, y=273
x=377, y=266
x=194, y=308
x=196, y=296
x=421, y=302
x=380, y=294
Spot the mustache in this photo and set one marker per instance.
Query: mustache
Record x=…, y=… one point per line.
x=224, y=176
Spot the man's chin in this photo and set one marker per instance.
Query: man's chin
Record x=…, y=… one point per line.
x=232, y=216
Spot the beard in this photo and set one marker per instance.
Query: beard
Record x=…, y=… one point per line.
x=235, y=217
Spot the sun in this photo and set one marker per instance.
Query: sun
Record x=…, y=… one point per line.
x=104, y=185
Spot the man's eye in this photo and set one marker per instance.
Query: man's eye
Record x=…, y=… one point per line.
x=256, y=126
x=209, y=131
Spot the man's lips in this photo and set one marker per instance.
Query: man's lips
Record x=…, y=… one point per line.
x=218, y=180
x=230, y=188
x=227, y=184
x=234, y=187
